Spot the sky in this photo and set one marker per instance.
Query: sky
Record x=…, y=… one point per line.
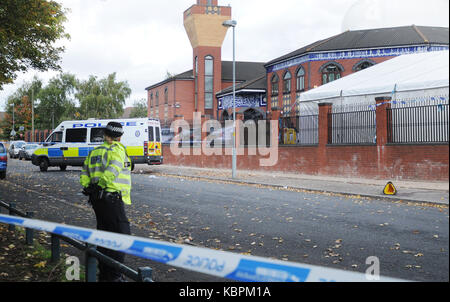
x=142, y=40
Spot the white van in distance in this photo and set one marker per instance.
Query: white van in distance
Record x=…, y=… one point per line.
x=70, y=143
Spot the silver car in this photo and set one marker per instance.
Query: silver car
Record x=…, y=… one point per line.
x=27, y=150
x=14, y=148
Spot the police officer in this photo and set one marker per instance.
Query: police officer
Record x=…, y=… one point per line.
x=106, y=178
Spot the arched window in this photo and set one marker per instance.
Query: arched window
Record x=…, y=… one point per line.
x=209, y=82
x=287, y=82
x=330, y=72
x=300, y=79
x=363, y=65
x=274, y=97
x=274, y=85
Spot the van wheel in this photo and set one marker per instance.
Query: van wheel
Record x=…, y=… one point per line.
x=63, y=167
x=43, y=165
x=2, y=175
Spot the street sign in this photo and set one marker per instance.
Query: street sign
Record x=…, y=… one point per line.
x=12, y=132
x=390, y=189
x=21, y=128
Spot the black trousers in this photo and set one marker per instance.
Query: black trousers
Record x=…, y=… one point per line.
x=111, y=217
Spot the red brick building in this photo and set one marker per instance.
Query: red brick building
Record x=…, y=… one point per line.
x=272, y=89
x=338, y=56
x=177, y=97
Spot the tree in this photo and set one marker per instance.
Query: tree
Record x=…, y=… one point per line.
x=20, y=103
x=28, y=31
x=139, y=109
x=102, y=98
x=56, y=101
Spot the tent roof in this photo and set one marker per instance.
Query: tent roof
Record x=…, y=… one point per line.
x=403, y=73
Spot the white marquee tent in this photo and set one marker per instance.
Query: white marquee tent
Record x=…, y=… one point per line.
x=412, y=80
x=413, y=76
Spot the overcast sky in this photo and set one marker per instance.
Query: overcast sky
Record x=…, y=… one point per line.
x=142, y=40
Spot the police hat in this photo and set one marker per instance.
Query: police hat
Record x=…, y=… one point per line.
x=114, y=129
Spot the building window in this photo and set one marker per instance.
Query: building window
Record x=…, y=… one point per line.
x=196, y=82
x=166, y=96
x=330, y=73
x=363, y=65
x=151, y=100
x=300, y=79
x=274, y=92
x=286, y=105
x=209, y=82
x=157, y=99
x=274, y=85
x=287, y=82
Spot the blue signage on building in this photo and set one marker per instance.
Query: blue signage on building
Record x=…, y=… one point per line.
x=248, y=101
x=354, y=54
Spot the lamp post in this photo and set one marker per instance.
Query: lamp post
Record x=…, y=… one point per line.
x=232, y=23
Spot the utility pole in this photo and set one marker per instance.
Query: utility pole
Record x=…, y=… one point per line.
x=32, y=114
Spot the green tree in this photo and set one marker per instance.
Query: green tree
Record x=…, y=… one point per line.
x=139, y=109
x=102, y=98
x=20, y=103
x=28, y=32
x=56, y=101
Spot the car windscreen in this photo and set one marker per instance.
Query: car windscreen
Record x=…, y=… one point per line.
x=29, y=147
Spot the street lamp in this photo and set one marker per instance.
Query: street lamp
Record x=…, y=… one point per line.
x=232, y=23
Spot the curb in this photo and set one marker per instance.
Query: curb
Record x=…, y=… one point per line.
x=386, y=198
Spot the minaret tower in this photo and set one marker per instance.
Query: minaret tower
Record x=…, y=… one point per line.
x=203, y=24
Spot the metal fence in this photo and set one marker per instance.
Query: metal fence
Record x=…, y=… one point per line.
x=308, y=133
x=144, y=274
x=418, y=124
x=352, y=128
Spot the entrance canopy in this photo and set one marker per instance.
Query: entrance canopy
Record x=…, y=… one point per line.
x=412, y=74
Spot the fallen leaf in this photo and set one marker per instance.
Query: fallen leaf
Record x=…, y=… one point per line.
x=41, y=264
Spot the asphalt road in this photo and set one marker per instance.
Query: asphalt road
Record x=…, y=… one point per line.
x=410, y=241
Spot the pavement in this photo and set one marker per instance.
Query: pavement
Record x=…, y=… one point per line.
x=431, y=192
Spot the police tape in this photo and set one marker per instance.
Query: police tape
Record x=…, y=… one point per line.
x=212, y=262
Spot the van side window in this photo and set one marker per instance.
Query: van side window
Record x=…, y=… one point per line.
x=76, y=135
x=158, y=135
x=151, y=137
x=56, y=137
x=97, y=135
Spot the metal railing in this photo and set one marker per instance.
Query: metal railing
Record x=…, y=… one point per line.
x=418, y=124
x=144, y=274
x=352, y=128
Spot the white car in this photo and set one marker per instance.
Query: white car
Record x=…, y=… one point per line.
x=27, y=151
x=14, y=148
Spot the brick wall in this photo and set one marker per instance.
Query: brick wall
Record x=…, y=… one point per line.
x=427, y=162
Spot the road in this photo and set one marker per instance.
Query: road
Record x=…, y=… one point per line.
x=410, y=241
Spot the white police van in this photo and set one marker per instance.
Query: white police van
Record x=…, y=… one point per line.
x=70, y=143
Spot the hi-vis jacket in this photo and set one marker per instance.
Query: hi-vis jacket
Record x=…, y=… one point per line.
x=110, y=167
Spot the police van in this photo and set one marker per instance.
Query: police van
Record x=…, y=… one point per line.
x=70, y=143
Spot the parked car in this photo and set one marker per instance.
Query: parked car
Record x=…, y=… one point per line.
x=3, y=161
x=27, y=150
x=14, y=148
